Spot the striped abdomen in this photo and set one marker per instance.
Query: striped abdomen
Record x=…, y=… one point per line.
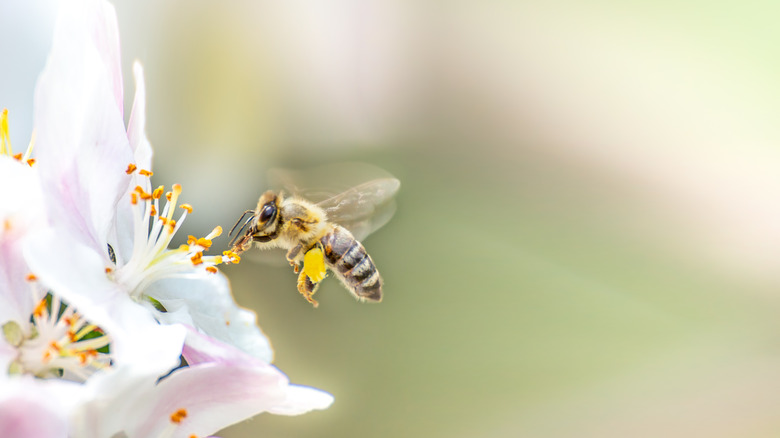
x=349, y=260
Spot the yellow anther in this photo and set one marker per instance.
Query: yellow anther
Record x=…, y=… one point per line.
x=31, y=162
x=54, y=346
x=178, y=416
x=40, y=309
x=232, y=256
x=130, y=168
x=206, y=243
x=133, y=198
x=212, y=269
x=145, y=172
x=142, y=194
x=153, y=210
x=30, y=277
x=197, y=259
x=157, y=193
x=18, y=157
x=187, y=207
x=168, y=196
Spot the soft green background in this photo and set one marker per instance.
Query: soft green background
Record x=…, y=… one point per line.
x=588, y=230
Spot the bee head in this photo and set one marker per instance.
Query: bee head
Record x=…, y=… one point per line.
x=266, y=218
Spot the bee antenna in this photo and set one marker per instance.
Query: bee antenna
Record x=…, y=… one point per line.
x=239, y=221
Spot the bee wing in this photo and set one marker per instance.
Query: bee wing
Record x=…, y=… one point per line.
x=365, y=208
x=357, y=196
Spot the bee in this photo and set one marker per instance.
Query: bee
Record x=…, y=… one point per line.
x=322, y=235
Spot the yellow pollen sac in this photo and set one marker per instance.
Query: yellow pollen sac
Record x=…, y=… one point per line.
x=130, y=168
x=168, y=196
x=231, y=256
x=314, y=265
x=157, y=193
x=197, y=259
x=31, y=277
x=145, y=172
x=142, y=193
x=178, y=416
x=40, y=308
x=212, y=269
x=187, y=207
x=153, y=211
x=133, y=198
x=108, y=269
x=18, y=157
x=191, y=240
x=82, y=358
x=53, y=346
x=31, y=162
x=206, y=243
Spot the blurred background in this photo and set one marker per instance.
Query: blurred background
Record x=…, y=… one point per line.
x=587, y=238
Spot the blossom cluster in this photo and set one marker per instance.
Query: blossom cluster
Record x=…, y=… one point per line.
x=106, y=329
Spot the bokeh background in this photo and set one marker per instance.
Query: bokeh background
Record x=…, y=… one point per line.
x=587, y=238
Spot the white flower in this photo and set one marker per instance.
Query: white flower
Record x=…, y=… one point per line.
x=86, y=275
x=220, y=386
x=110, y=230
x=41, y=335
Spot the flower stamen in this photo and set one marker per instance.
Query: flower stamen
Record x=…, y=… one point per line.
x=155, y=226
x=5, y=142
x=57, y=342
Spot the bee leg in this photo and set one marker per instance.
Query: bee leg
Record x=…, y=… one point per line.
x=307, y=288
x=292, y=254
x=314, y=263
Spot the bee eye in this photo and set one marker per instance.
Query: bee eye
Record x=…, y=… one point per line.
x=267, y=213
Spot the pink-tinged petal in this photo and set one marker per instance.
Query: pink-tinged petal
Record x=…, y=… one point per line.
x=81, y=146
x=136, y=126
x=21, y=211
x=204, y=300
x=220, y=386
x=27, y=410
x=302, y=399
x=213, y=397
x=142, y=158
x=77, y=275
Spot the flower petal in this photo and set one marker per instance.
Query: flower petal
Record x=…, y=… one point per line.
x=142, y=158
x=29, y=409
x=81, y=146
x=21, y=211
x=204, y=300
x=77, y=274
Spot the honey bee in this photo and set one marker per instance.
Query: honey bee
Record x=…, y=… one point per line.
x=324, y=234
